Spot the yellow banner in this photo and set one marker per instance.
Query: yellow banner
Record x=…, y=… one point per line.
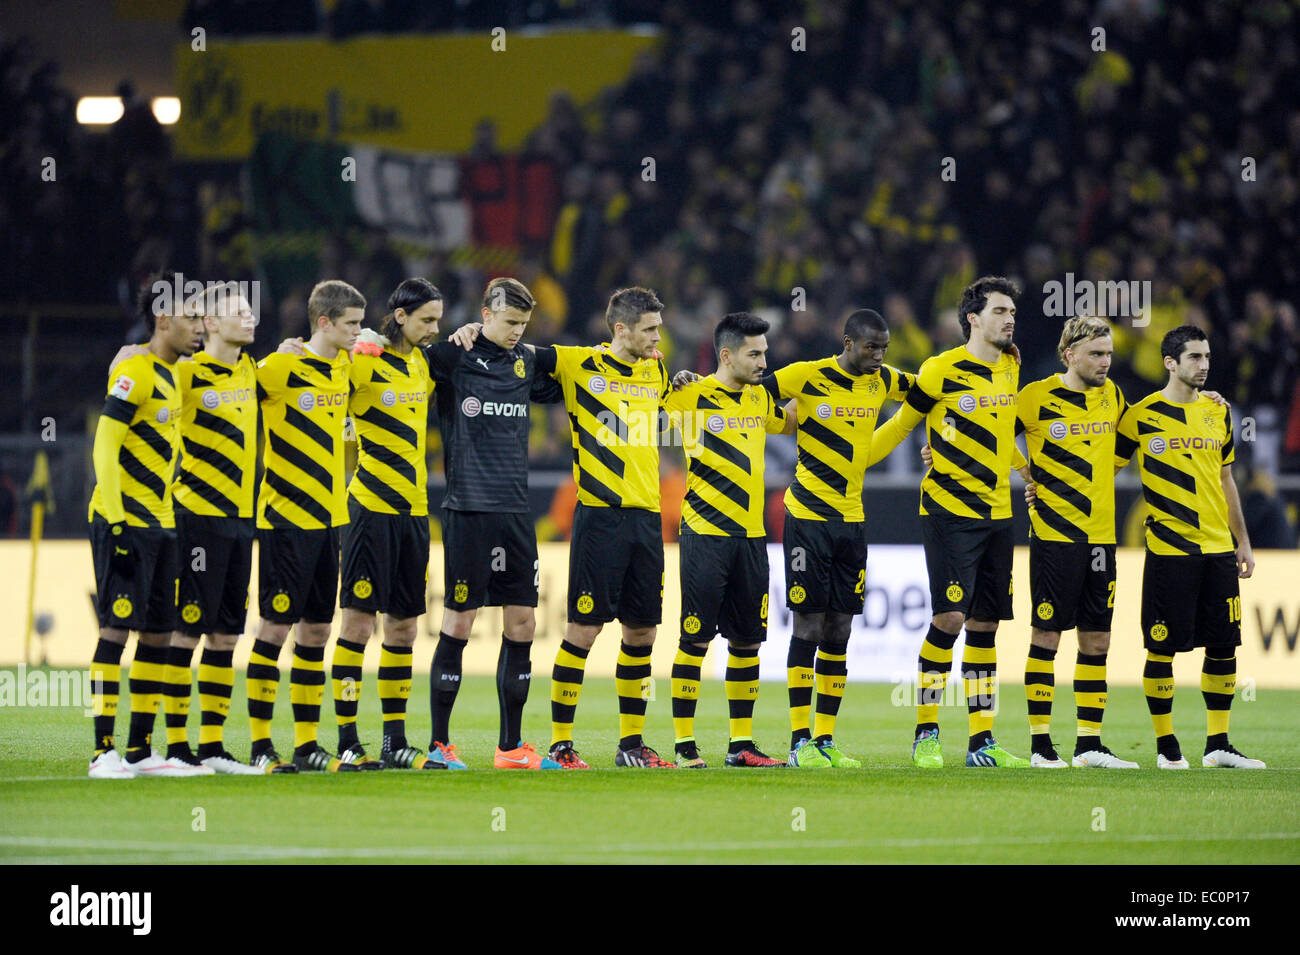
x=1269, y=655
x=423, y=93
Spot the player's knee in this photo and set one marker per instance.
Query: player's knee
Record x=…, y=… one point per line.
x=582, y=635
x=1049, y=639
x=400, y=631
x=639, y=636
x=1094, y=643
x=184, y=641
x=733, y=645
x=312, y=634
x=521, y=630
x=155, y=639
x=809, y=627
x=835, y=635
x=222, y=641
x=950, y=622
x=693, y=648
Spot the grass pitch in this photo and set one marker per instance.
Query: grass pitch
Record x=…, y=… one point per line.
x=887, y=812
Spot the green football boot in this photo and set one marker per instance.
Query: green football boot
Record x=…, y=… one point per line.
x=837, y=758
x=806, y=755
x=991, y=754
x=926, y=751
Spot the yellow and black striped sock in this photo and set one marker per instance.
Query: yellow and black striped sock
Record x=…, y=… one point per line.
x=345, y=677
x=394, y=691
x=632, y=681
x=1040, y=690
x=263, y=679
x=1218, y=684
x=146, y=682
x=1089, y=700
x=306, y=690
x=831, y=674
x=742, y=692
x=979, y=665
x=566, y=687
x=799, y=687
x=686, y=693
x=933, y=665
x=177, y=680
x=105, y=684
x=1158, y=684
x=216, y=682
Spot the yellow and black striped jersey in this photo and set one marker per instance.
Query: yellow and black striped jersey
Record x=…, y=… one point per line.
x=143, y=396
x=614, y=412
x=837, y=415
x=218, y=436
x=724, y=434
x=969, y=407
x=1071, y=439
x=390, y=408
x=1181, y=451
x=304, y=403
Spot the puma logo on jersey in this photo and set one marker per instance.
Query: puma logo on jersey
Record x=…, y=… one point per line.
x=481, y=362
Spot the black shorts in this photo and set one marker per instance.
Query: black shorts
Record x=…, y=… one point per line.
x=825, y=565
x=1190, y=601
x=616, y=566
x=216, y=557
x=146, y=600
x=724, y=588
x=969, y=562
x=488, y=559
x=297, y=574
x=385, y=562
x=1072, y=585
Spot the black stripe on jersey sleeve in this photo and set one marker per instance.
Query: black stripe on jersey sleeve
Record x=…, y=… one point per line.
x=1078, y=399
x=294, y=380
x=887, y=376
x=137, y=470
x=604, y=415
x=597, y=489
x=1228, y=441
x=618, y=366
x=316, y=364
x=119, y=410
x=1067, y=459
x=773, y=389
x=1168, y=472
x=961, y=459
x=919, y=401
x=589, y=364
x=833, y=441
x=382, y=491
x=591, y=444
x=219, y=426
x=1124, y=446
x=301, y=461
x=133, y=507
x=952, y=386
x=396, y=363
x=1179, y=512
x=1020, y=427
x=391, y=459
x=1047, y=414
x=823, y=472
x=1171, y=537
x=1147, y=428
x=836, y=377
x=163, y=372
x=298, y=496
x=214, y=459
x=1061, y=489
x=386, y=422
x=809, y=388
x=300, y=422
x=712, y=443
x=150, y=436
x=723, y=485
x=1056, y=522
x=197, y=382
x=158, y=394
x=814, y=503
x=714, y=516
x=976, y=432
x=1168, y=410
x=209, y=493
x=965, y=495
x=975, y=368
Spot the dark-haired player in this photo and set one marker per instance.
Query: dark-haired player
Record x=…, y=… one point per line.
x=967, y=398
x=489, y=543
x=838, y=402
x=301, y=505
x=725, y=419
x=133, y=538
x=1197, y=545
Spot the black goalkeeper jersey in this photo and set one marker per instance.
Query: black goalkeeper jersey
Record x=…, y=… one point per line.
x=483, y=397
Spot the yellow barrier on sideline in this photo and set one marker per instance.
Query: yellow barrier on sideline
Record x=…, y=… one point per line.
x=1269, y=654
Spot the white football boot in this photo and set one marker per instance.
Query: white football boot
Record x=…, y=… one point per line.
x=226, y=765
x=1229, y=758
x=155, y=765
x=1102, y=758
x=109, y=765
x=1162, y=763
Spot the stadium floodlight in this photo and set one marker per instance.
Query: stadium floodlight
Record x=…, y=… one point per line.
x=166, y=109
x=99, y=110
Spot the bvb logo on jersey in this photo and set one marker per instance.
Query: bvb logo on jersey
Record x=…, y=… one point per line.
x=1159, y=632
x=519, y=368
x=122, y=607
x=362, y=589
x=461, y=593
x=691, y=624
x=280, y=602
x=1045, y=610
x=797, y=594
x=955, y=593
x=586, y=604
x=191, y=613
